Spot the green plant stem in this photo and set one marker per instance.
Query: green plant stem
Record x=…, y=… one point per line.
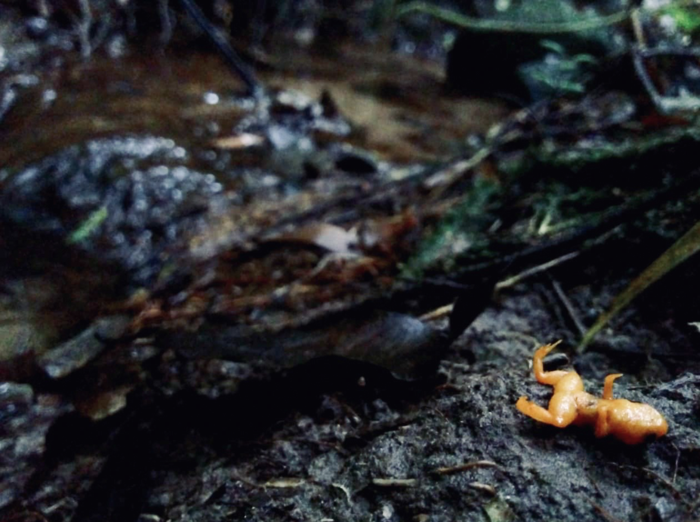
x=506, y=26
x=680, y=251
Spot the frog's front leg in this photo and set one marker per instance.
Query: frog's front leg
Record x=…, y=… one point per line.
x=608, y=385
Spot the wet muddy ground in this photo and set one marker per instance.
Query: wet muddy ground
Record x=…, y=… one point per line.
x=330, y=442
x=221, y=308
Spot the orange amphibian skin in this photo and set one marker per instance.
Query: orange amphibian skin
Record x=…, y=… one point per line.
x=631, y=422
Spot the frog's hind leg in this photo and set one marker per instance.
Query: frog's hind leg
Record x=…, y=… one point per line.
x=561, y=412
x=533, y=410
x=543, y=377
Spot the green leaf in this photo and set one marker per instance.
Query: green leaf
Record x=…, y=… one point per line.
x=88, y=227
x=553, y=46
x=680, y=251
x=687, y=20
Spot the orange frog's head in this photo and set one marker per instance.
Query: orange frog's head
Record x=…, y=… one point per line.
x=631, y=422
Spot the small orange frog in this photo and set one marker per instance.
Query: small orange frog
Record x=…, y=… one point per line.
x=631, y=422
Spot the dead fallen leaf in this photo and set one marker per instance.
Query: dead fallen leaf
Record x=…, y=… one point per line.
x=239, y=141
x=329, y=237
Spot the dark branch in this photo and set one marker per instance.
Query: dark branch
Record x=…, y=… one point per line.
x=222, y=45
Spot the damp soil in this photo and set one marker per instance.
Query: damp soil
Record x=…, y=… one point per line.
x=335, y=441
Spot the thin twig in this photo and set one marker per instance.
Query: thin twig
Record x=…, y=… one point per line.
x=394, y=482
x=166, y=31
x=675, y=466
x=344, y=489
x=604, y=513
x=485, y=488
x=84, y=25
x=284, y=483
x=685, y=52
x=640, y=52
x=43, y=8
x=517, y=278
x=694, y=505
x=438, y=313
x=595, y=484
x=445, y=310
x=446, y=178
x=568, y=306
x=638, y=28
x=386, y=427
x=448, y=470
x=222, y=45
x=661, y=479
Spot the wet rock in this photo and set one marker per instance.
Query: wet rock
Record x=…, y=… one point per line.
x=71, y=355
x=101, y=405
x=290, y=116
x=296, y=129
x=81, y=349
x=25, y=419
x=37, y=27
x=20, y=336
x=355, y=162
x=11, y=91
x=27, y=329
x=112, y=328
x=126, y=202
x=15, y=49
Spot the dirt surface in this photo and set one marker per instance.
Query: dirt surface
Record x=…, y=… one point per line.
x=342, y=442
x=387, y=451
x=533, y=472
